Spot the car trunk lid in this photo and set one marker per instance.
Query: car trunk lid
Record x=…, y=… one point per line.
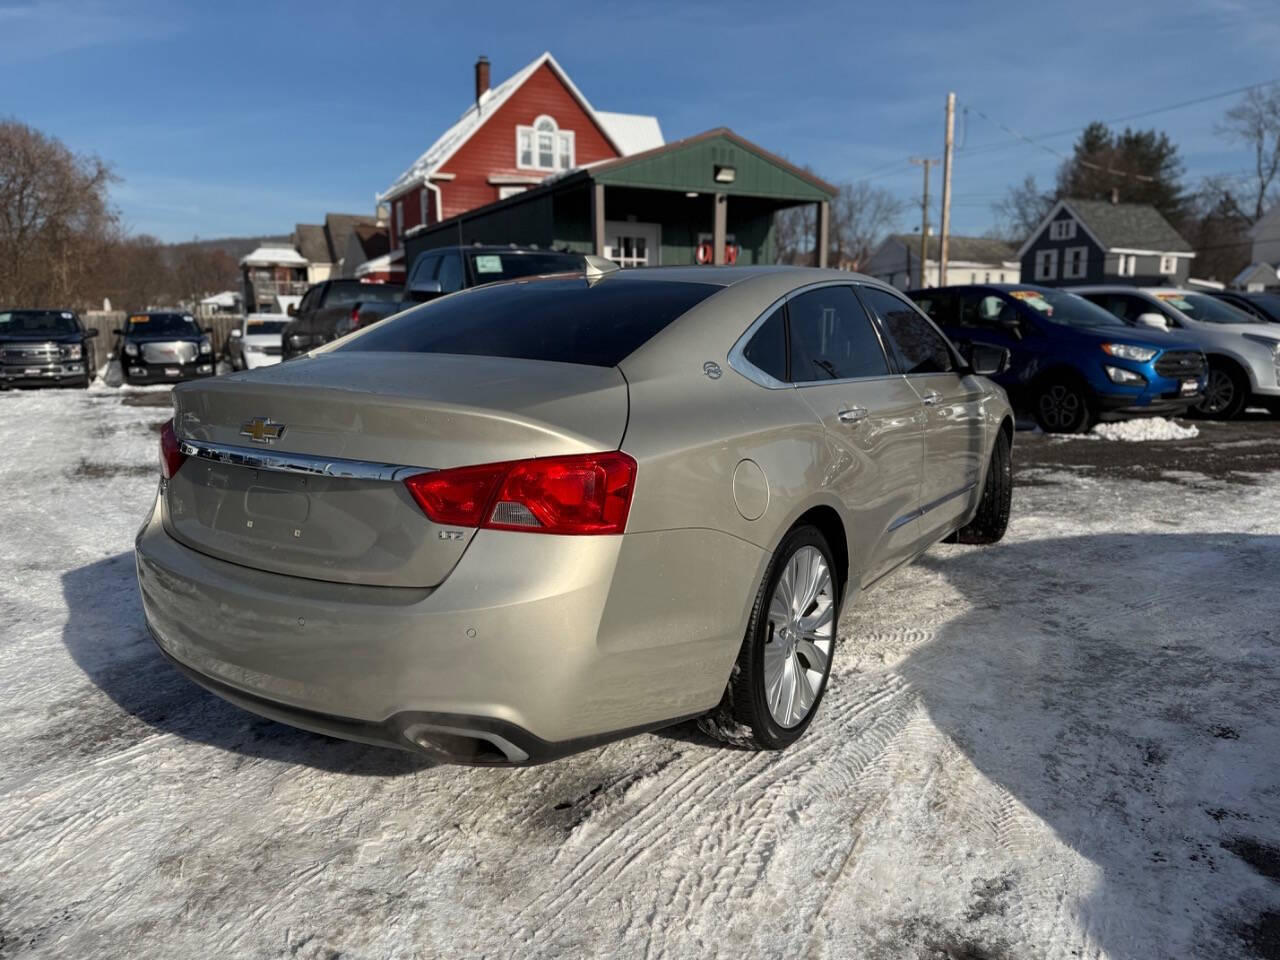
x=299, y=467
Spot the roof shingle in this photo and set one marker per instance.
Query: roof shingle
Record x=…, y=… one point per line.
x=1137, y=226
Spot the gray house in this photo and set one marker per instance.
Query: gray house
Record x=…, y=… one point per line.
x=1095, y=241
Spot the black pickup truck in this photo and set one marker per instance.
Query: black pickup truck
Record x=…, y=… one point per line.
x=42, y=347
x=449, y=269
x=328, y=309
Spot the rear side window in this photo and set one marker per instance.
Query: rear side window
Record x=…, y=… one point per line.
x=492, y=267
x=920, y=348
x=567, y=320
x=832, y=337
x=767, y=350
x=348, y=294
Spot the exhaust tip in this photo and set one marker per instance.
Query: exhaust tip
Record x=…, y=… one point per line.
x=457, y=745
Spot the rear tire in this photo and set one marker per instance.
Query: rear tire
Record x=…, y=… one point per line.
x=1062, y=406
x=781, y=674
x=1225, y=394
x=992, y=519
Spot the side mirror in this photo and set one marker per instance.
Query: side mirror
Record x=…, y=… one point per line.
x=236, y=333
x=425, y=290
x=292, y=310
x=987, y=359
x=91, y=333
x=1152, y=320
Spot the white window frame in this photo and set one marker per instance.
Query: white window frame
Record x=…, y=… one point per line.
x=510, y=191
x=528, y=141
x=1062, y=230
x=1071, y=270
x=1168, y=265
x=1128, y=266
x=422, y=205
x=399, y=211
x=1047, y=264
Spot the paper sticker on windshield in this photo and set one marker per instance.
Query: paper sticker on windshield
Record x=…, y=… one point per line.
x=65, y=315
x=139, y=318
x=1176, y=299
x=1032, y=298
x=488, y=263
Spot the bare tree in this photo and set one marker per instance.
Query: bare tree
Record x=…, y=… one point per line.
x=795, y=231
x=1254, y=122
x=1020, y=211
x=55, y=218
x=859, y=217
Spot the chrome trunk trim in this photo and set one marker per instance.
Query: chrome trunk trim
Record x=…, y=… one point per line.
x=303, y=463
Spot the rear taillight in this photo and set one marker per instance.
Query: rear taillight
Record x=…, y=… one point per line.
x=584, y=494
x=171, y=455
x=355, y=317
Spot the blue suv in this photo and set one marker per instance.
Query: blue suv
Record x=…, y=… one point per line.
x=1071, y=362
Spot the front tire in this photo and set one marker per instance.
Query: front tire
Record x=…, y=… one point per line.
x=1062, y=406
x=992, y=519
x=1225, y=394
x=783, y=667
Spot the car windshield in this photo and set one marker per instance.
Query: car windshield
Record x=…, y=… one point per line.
x=562, y=320
x=489, y=267
x=1065, y=308
x=162, y=324
x=255, y=325
x=17, y=323
x=349, y=294
x=1206, y=309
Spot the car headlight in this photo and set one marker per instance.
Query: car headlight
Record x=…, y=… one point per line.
x=253, y=348
x=205, y=346
x=1274, y=344
x=1121, y=375
x=1127, y=351
x=72, y=351
x=130, y=349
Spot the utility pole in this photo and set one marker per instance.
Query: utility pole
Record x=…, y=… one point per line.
x=950, y=139
x=924, y=216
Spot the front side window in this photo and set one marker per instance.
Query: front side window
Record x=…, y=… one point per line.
x=980, y=310
x=920, y=348
x=425, y=269
x=831, y=337
x=450, y=275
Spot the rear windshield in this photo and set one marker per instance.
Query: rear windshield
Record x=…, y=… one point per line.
x=564, y=320
x=177, y=324
x=1067, y=309
x=1206, y=309
x=18, y=322
x=254, y=325
x=489, y=267
x=349, y=294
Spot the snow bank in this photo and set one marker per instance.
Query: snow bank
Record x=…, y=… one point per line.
x=1148, y=428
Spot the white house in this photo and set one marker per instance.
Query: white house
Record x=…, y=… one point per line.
x=969, y=260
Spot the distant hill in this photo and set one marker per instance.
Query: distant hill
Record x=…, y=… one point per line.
x=235, y=247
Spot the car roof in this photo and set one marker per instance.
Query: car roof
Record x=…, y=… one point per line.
x=500, y=248
x=1129, y=288
x=725, y=276
x=1006, y=287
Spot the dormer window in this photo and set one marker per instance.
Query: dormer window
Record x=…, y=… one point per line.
x=544, y=146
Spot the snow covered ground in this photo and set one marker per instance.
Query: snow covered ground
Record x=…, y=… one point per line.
x=1061, y=746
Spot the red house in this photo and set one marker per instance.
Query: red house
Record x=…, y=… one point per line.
x=534, y=125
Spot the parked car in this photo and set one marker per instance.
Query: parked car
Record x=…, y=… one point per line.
x=163, y=346
x=314, y=322
x=1073, y=364
x=450, y=269
x=42, y=347
x=536, y=516
x=1244, y=354
x=1262, y=306
x=256, y=342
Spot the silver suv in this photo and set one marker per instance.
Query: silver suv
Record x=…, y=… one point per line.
x=1243, y=354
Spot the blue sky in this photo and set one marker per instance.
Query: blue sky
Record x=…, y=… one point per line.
x=245, y=118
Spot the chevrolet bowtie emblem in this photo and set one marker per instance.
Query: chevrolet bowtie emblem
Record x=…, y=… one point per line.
x=262, y=430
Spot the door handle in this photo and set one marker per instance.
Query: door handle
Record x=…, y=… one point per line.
x=930, y=398
x=852, y=414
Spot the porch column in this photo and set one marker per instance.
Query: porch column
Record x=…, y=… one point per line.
x=597, y=219
x=718, y=228
x=822, y=239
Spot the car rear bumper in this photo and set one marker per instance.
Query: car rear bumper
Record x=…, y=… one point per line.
x=534, y=646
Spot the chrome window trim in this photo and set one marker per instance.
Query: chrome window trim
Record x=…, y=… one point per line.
x=302, y=463
x=739, y=363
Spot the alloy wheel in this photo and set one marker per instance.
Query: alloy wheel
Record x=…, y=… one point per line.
x=797, y=653
x=1218, y=392
x=1061, y=407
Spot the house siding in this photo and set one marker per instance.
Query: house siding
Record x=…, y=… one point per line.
x=492, y=148
x=1098, y=265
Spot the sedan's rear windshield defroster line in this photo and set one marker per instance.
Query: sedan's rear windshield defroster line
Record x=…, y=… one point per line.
x=564, y=320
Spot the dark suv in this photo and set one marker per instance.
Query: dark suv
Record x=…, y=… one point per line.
x=164, y=346
x=327, y=311
x=39, y=347
x=450, y=269
x=1072, y=363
